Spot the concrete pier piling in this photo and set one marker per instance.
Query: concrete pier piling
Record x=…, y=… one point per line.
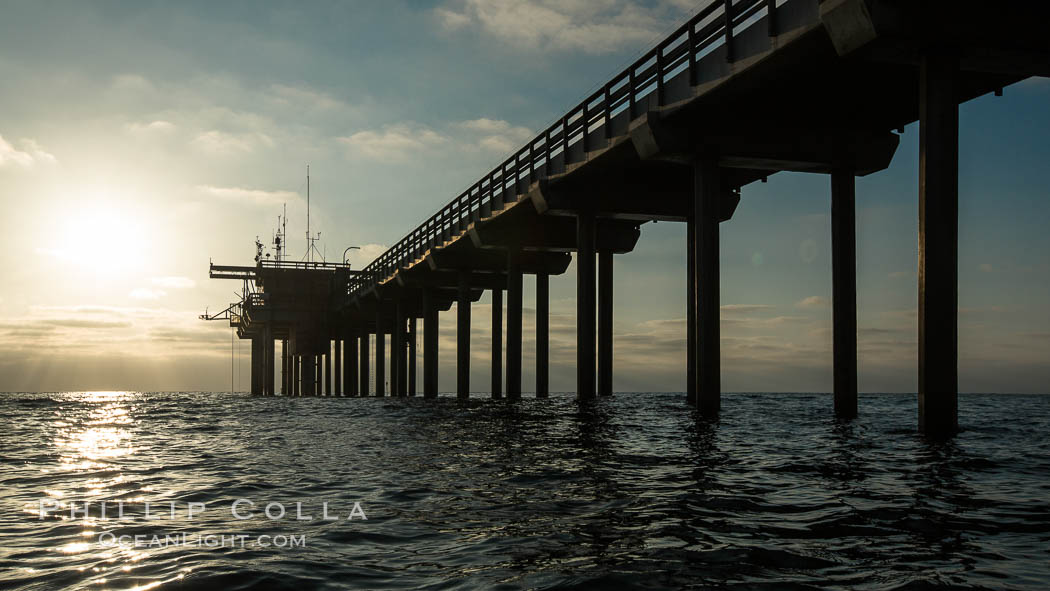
x=497, y=343
x=412, y=362
x=463, y=336
x=585, y=305
x=707, y=195
x=430, y=345
x=397, y=348
x=293, y=386
x=284, y=369
x=690, y=311
x=350, y=365
x=938, y=244
x=337, y=367
x=605, y=322
x=326, y=361
x=402, y=355
x=309, y=377
x=514, y=327
x=269, y=366
x=363, y=370
x=844, y=292
x=257, y=366
x=542, y=335
x=380, y=333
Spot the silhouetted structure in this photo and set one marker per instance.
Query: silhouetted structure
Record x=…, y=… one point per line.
x=743, y=90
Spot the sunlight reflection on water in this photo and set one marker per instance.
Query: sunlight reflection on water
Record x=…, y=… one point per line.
x=630, y=492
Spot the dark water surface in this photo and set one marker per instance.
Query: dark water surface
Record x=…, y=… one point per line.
x=627, y=493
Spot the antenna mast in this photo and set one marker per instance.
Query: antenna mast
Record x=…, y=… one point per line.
x=279, y=239
x=311, y=240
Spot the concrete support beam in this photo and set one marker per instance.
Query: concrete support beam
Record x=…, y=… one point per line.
x=463, y=336
x=707, y=192
x=848, y=23
x=520, y=228
x=938, y=245
x=363, y=376
x=764, y=144
x=337, y=367
x=430, y=345
x=495, y=261
x=542, y=335
x=585, y=306
x=844, y=292
x=497, y=343
x=412, y=356
x=514, y=287
x=605, y=322
x=397, y=349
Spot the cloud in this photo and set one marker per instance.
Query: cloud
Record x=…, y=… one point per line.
x=495, y=135
x=204, y=334
x=392, y=143
x=85, y=323
x=153, y=127
x=450, y=19
x=559, y=25
x=754, y=323
x=360, y=257
x=985, y=268
x=397, y=142
x=131, y=83
x=486, y=125
x=902, y=275
x=225, y=143
x=77, y=310
x=55, y=332
x=250, y=196
x=813, y=302
x=145, y=293
x=300, y=97
x=174, y=282
x=30, y=154
x=737, y=309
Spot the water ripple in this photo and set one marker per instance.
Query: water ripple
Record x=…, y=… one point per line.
x=630, y=492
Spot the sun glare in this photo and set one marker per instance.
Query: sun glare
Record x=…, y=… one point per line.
x=101, y=240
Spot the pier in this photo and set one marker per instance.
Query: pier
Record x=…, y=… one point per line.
x=741, y=91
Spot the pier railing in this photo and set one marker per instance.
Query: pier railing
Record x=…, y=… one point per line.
x=588, y=123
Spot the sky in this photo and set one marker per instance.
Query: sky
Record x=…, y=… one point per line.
x=140, y=140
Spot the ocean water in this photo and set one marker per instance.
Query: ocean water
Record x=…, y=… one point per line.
x=628, y=492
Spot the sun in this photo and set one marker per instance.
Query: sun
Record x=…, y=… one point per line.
x=101, y=239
